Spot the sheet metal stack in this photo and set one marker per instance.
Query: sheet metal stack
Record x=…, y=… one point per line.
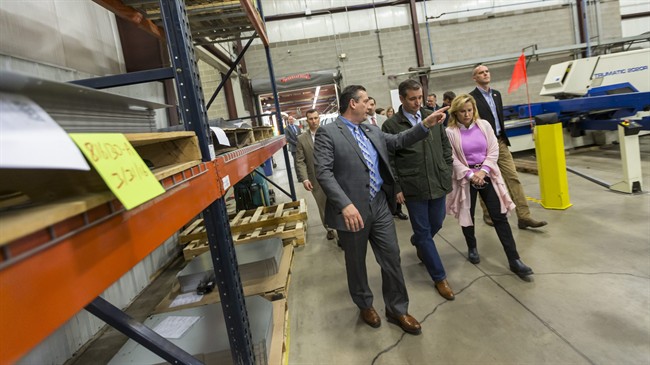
x=81, y=109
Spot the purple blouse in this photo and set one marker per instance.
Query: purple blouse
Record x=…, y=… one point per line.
x=474, y=146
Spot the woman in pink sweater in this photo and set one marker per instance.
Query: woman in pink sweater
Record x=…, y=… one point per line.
x=475, y=172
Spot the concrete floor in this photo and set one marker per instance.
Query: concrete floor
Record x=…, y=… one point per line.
x=588, y=302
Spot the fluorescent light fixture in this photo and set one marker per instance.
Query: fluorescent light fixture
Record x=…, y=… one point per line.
x=313, y=106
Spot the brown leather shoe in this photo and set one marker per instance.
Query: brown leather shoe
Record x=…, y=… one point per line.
x=530, y=223
x=370, y=316
x=406, y=321
x=445, y=290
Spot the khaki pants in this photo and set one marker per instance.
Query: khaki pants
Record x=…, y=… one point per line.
x=509, y=172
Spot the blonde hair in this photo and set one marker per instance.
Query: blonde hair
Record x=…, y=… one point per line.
x=457, y=104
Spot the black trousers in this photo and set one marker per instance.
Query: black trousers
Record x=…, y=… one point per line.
x=489, y=196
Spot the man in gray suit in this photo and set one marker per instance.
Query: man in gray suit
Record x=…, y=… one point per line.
x=305, y=166
x=352, y=167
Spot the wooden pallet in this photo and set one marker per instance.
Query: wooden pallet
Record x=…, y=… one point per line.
x=285, y=220
x=266, y=216
x=291, y=233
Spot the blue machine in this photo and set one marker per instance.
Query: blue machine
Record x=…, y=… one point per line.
x=602, y=109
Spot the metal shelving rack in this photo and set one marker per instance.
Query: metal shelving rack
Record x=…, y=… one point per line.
x=47, y=277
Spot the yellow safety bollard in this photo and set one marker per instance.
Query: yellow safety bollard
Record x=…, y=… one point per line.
x=551, y=162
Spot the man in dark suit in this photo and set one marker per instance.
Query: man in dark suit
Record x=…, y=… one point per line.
x=352, y=167
x=490, y=108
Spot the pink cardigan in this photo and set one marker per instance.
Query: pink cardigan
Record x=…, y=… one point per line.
x=458, y=201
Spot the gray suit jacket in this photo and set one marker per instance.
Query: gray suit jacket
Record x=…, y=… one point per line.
x=342, y=172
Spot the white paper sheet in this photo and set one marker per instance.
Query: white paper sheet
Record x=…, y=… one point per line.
x=221, y=136
x=186, y=298
x=175, y=326
x=30, y=138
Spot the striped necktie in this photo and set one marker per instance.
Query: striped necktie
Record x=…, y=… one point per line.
x=362, y=141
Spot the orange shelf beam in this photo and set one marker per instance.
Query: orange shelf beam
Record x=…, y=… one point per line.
x=235, y=165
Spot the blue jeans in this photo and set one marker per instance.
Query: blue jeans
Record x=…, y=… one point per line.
x=426, y=220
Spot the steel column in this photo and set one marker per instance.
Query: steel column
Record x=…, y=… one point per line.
x=418, y=47
x=194, y=115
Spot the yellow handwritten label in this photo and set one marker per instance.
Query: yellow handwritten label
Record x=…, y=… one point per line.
x=120, y=167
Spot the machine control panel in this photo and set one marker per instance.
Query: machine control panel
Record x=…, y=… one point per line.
x=630, y=127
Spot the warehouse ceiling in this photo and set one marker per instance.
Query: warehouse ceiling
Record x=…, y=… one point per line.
x=297, y=102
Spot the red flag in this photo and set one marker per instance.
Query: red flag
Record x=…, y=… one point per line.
x=519, y=76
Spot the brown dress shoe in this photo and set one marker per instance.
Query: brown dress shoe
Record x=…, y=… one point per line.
x=406, y=321
x=530, y=223
x=370, y=316
x=445, y=290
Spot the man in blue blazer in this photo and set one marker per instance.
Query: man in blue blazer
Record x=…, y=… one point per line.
x=352, y=167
